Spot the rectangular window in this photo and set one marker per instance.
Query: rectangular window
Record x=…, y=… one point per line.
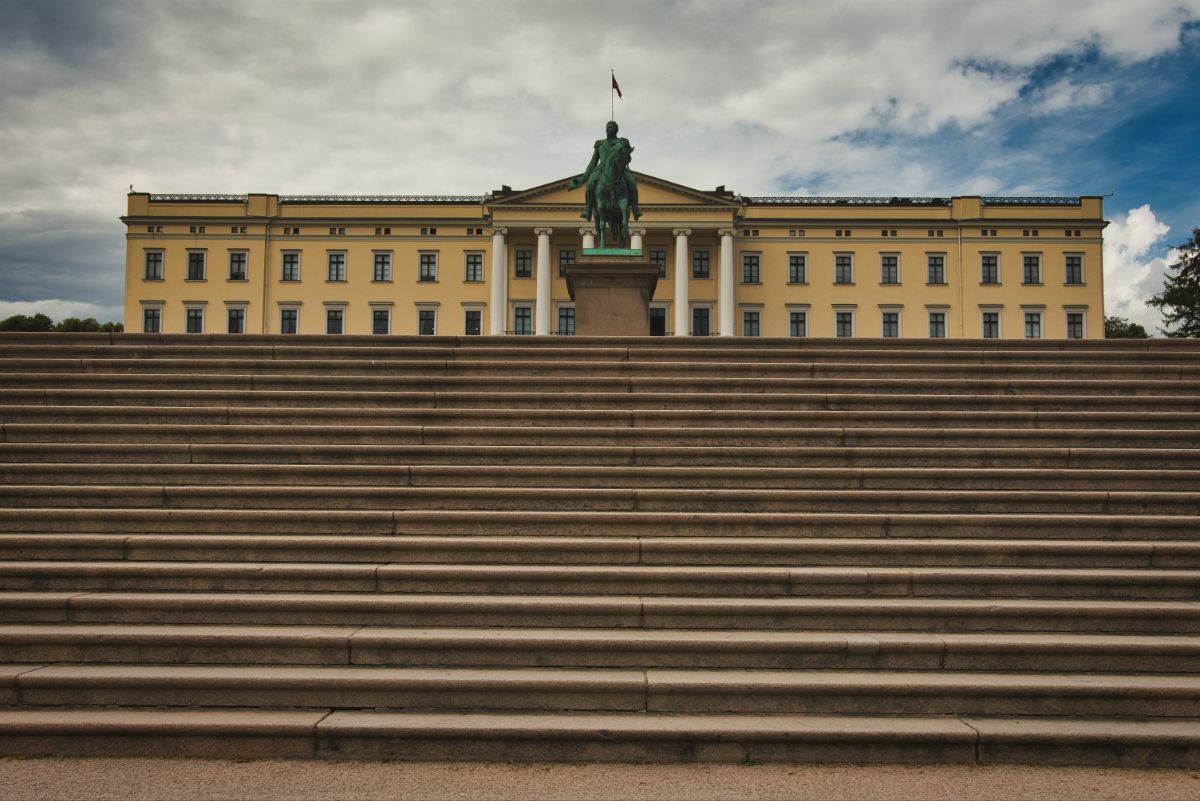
x=523, y=263
x=195, y=266
x=523, y=320
x=1033, y=269
x=565, y=256
x=989, y=269
x=1033, y=325
x=335, y=321
x=937, y=325
x=701, y=266
x=1074, y=325
x=750, y=269
x=658, y=321
x=797, y=268
x=845, y=324
x=937, y=269
x=337, y=267
x=889, y=269
x=383, y=267
x=381, y=322
x=991, y=325
x=1074, y=267
x=566, y=321
x=152, y=321
x=290, y=268
x=843, y=270
x=195, y=321
x=426, y=322
x=473, y=322
x=474, y=267
x=751, y=324
x=236, y=319
x=237, y=265
x=797, y=324
x=891, y=324
x=154, y=265
x=428, y=267
x=288, y=320
x=658, y=258
x=700, y=321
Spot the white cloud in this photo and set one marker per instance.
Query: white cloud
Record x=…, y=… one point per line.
x=1131, y=275
x=58, y=309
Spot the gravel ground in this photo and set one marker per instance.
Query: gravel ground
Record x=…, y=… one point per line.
x=186, y=779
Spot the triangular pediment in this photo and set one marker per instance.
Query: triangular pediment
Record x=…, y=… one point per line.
x=652, y=191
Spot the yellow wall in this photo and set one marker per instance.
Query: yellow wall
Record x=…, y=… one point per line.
x=772, y=230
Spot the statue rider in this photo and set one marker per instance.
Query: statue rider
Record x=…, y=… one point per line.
x=611, y=147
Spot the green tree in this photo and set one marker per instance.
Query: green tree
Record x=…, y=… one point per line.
x=1179, y=301
x=24, y=322
x=74, y=325
x=1120, y=328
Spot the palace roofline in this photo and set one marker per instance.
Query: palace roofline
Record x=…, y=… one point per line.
x=767, y=200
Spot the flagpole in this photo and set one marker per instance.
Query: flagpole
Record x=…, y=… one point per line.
x=612, y=101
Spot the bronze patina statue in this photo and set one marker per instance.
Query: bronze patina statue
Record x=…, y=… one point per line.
x=611, y=192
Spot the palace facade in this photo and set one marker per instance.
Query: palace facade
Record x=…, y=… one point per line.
x=958, y=267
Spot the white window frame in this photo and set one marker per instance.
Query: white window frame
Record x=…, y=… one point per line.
x=391, y=262
x=843, y=254
x=889, y=255
x=338, y=306
x=162, y=264
x=203, y=253
x=473, y=307
x=803, y=256
x=664, y=269
x=704, y=304
x=999, y=312
x=245, y=252
x=896, y=310
x=1082, y=312
x=421, y=255
x=750, y=308
x=1082, y=268
x=345, y=266
x=288, y=305
x=427, y=308
x=996, y=255
x=1040, y=311
x=1041, y=267
x=237, y=305
x=381, y=306
x=518, y=305
x=746, y=255
x=945, y=312
x=929, y=255
x=195, y=305
x=283, y=254
x=558, y=307
x=799, y=308
x=160, y=305
x=850, y=309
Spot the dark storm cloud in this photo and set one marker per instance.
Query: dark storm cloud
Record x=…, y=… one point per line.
x=60, y=254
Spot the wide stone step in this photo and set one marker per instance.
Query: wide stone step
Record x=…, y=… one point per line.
x=741, y=648
x=531, y=436
x=611, y=476
x=605, y=611
x=1030, y=459
x=708, y=580
x=486, y=385
x=617, y=402
x=617, y=418
x=615, y=550
x=1145, y=527
x=568, y=369
x=608, y=736
x=596, y=690
x=584, y=499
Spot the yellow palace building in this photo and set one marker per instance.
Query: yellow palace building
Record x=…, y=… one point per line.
x=729, y=265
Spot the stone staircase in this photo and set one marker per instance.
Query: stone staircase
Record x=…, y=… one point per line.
x=574, y=549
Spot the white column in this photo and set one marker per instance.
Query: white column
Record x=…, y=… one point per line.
x=725, y=301
x=589, y=237
x=635, y=238
x=499, y=310
x=681, y=280
x=541, y=312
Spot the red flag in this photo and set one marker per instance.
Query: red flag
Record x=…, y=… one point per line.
x=617, y=88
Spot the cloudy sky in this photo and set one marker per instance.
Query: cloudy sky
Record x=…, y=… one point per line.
x=866, y=97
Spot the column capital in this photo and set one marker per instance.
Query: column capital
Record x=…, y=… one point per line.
x=726, y=232
x=589, y=232
x=637, y=231
x=543, y=231
x=681, y=231
x=500, y=231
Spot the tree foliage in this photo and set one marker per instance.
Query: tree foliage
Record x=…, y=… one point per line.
x=40, y=322
x=1120, y=328
x=1179, y=301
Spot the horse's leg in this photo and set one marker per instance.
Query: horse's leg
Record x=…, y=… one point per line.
x=601, y=217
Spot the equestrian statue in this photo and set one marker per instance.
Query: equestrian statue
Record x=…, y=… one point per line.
x=611, y=192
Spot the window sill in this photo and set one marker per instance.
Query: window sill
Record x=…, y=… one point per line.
x=195, y=280
x=750, y=283
x=843, y=283
x=990, y=283
x=238, y=280
x=381, y=280
x=426, y=281
x=1074, y=283
x=1032, y=283
x=472, y=280
x=936, y=283
x=701, y=277
x=890, y=283
x=289, y=280
x=155, y=280
x=797, y=283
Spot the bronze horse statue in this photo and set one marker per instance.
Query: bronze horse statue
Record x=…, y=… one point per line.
x=611, y=190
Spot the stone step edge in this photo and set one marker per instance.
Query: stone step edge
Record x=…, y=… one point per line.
x=633, y=737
